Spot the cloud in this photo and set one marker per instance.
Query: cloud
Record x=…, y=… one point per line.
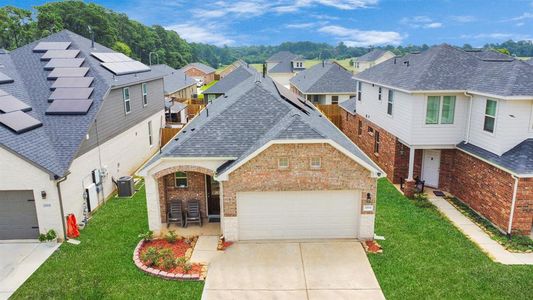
x=300, y=25
x=219, y=9
x=420, y=22
x=498, y=36
x=524, y=16
x=203, y=33
x=463, y=19
x=361, y=38
x=339, y=4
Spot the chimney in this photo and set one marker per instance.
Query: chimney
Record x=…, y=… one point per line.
x=406, y=63
x=264, y=70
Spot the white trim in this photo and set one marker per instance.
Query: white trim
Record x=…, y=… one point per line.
x=513, y=203
x=224, y=176
x=143, y=170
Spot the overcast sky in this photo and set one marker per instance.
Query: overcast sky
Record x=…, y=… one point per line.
x=355, y=22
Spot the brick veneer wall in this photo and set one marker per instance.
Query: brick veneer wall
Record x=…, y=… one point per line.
x=194, y=72
x=337, y=172
x=523, y=215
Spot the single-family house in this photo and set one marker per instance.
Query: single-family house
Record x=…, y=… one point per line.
x=228, y=82
x=177, y=83
x=371, y=59
x=73, y=116
x=266, y=165
x=324, y=83
x=202, y=73
x=230, y=68
x=462, y=121
x=282, y=66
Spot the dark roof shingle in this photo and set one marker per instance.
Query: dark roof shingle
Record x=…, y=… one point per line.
x=325, y=77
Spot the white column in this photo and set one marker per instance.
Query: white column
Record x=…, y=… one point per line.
x=411, y=163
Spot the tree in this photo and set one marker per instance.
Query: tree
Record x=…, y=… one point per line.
x=122, y=47
x=503, y=50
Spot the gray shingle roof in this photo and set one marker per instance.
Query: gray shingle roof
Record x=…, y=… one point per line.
x=488, y=54
x=175, y=107
x=251, y=115
x=447, y=68
x=372, y=55
x=325, y=77
x=174, y=80
x=518, y=160
x=282, y=56
x=530, y=61
x=284, y=61
x=53, y=146
x=231, y=80
x=200, y=66
x=349, y=105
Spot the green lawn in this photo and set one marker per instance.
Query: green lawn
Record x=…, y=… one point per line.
x=101, y=266
x=205, y=87
x=426, y=257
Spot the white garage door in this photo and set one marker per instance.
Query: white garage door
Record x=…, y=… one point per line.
x=298, y=215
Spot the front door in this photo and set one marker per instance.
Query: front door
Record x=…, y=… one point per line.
x=213, y=198
x=431, y=167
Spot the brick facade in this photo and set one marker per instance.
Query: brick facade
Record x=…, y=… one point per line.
x=194, y=72
x=337, y=172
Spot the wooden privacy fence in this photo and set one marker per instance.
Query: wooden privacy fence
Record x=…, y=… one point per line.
x=332, y=112
x=193, y=110
x=189, y=101
x=167, y=134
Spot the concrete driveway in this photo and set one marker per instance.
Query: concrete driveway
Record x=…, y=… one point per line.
x=292, y=270
x=18, y=260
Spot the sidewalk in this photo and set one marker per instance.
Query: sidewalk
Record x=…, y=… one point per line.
x=494, y=250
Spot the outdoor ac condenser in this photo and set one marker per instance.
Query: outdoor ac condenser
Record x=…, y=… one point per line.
x=125, y=186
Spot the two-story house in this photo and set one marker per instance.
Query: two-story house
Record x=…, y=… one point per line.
x=284, y=65
x=73, y=116
x=371, y=59
x=324, y=83
x=203, y=74
x=461, y=121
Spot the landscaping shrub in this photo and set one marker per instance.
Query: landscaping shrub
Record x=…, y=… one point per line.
x=171, y=236
x=166, y=259
x=147, y=236
x=151, y=256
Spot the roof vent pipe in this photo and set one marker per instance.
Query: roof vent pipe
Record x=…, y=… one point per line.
x=264, y=70
x=406, y=63
x=395, y=60
x=92, y=36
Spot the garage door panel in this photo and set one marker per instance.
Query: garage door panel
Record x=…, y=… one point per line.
x=297, y=215
x=18, y=218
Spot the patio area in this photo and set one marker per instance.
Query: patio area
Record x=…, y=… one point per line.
x=207, y=228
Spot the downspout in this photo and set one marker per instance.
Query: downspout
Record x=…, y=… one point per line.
x=62, y=211
x=513, y=202
x=468, y=126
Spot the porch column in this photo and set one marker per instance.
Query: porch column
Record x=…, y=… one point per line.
x=409, y=187
x=411, y=163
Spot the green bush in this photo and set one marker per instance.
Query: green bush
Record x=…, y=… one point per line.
x=171, y=236
x=151, y=256
x=147, y=236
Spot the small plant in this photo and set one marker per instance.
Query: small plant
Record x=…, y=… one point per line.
x=181, y=261
x=166, y=259
x=171, y=236
x=147, y=236
x=187, y=267
x=49, y=236
x=151, y=256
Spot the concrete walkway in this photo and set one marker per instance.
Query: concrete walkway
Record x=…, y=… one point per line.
x=205, y=249
x=292, y=270
x=494, y=250
x=18, y=260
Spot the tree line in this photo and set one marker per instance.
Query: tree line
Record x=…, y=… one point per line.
x=115, y=30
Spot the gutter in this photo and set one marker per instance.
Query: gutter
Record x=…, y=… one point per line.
x=62, y=211
x=513, y=202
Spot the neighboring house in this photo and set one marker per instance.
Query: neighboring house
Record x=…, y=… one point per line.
x=267, y=165
x=461, y=121
x=72, y=117
x=230, y=68
x=371, y=59
x=324, y=83
x=199, y=71
x=283, y=65
x=177, y=84
x=176, y=114
x=229, y=81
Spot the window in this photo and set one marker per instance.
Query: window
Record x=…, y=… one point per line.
x=145, y=94
x=150, y=137
x=377, y=141
x=315, y=162
x=438, y=111
x=181, y=179
x=390, y=102
x=359, y=90
x=334, y=99
x=379, y=93
x=126, y=97
x=360, y=128
x=370, y=130
x=490, y=115
x=315, y=98
x=283, y=163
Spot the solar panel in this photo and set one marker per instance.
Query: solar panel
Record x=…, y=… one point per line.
x=290, y=97
x=71, y=94
x=72, y=82
x=5, y=79
x=64, y=63
x=44, y=46
x=60, y=54
x=3, y=93
x=123, y=68
x=69, y=107
x=10, y=103
x=68, y=72
x=19, y=121
x=111, y=57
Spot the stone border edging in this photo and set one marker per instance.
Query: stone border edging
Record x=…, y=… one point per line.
x=156, y=272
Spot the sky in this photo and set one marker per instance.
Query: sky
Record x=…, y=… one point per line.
x=354, y=22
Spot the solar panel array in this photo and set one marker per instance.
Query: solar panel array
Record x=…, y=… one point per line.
x=72, y=82
x=60, y=54
x=64, y=63
x=71, y=94
x=69, y=107
x=10, y=103
x=19, y=121
x=290, y=97
x=68, y=72
x=45, y=46
x=120, y=64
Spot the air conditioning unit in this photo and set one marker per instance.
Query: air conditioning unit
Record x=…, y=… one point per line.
x=126, y=186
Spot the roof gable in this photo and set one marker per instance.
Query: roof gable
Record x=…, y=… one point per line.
x=231, y=80
x=199, y=66
x=325, y=77
x=372, y=55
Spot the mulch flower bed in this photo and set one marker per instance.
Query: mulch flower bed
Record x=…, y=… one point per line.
x=372, y=247
x=176, y=254
x=223, y=245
